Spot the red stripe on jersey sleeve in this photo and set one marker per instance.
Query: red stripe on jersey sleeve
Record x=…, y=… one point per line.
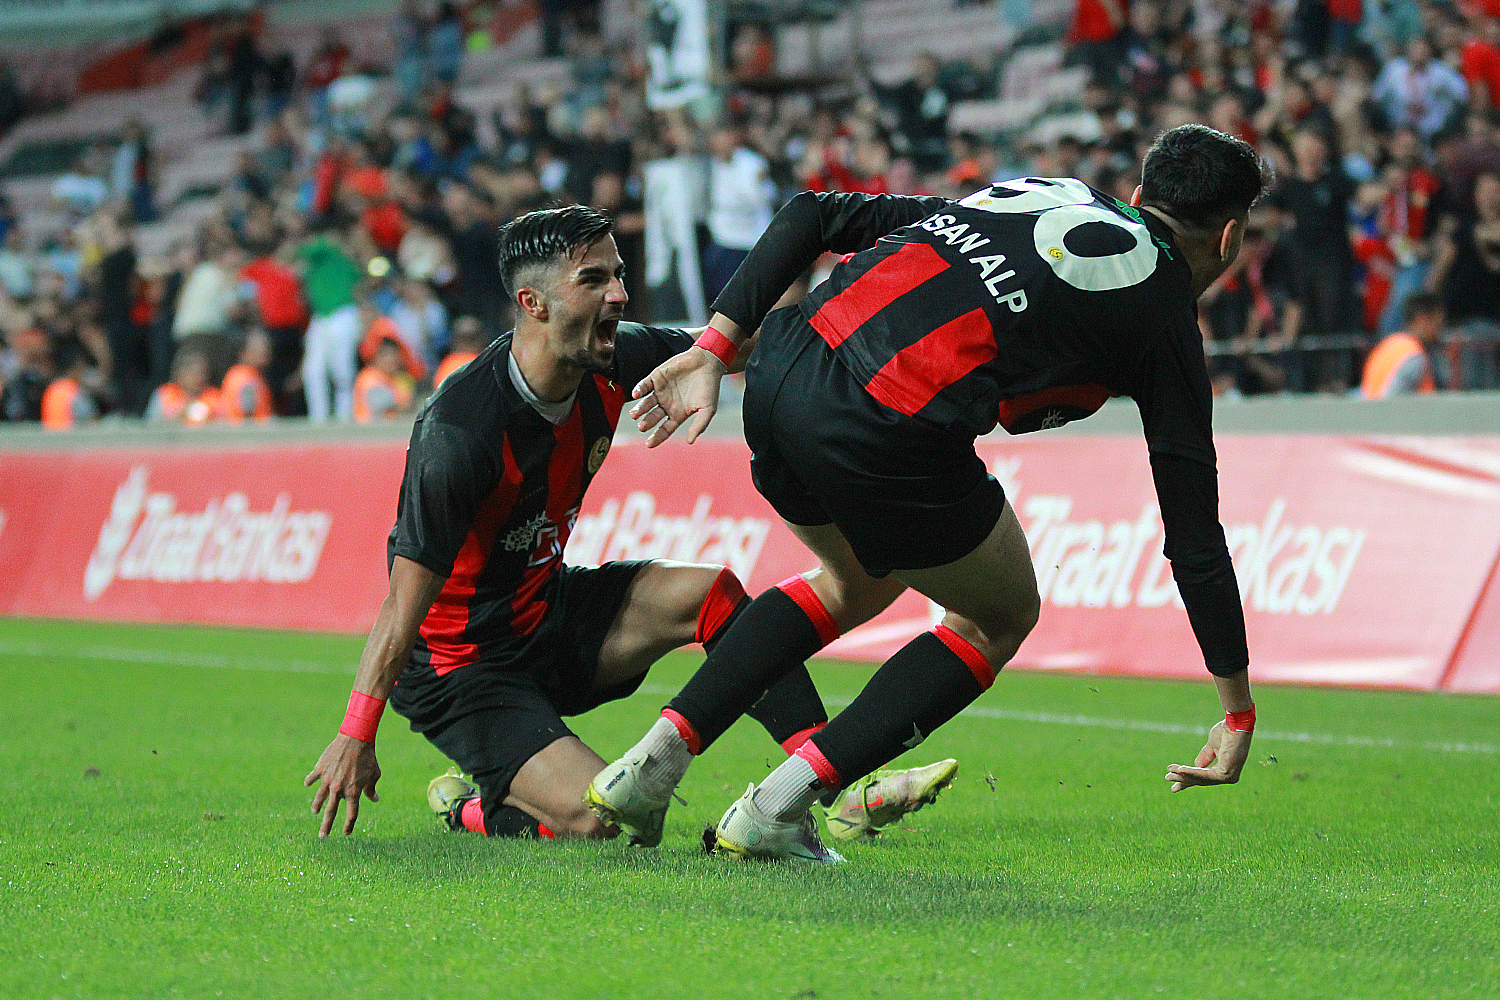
x=877, y=288
x=564, y=492
x=909, y=380
x=448, y=619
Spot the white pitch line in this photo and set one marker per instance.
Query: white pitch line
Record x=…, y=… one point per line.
x=120, y=654
x=1173, y=728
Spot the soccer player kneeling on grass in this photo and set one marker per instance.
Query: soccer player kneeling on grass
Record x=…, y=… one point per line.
x=1027, y=304
x=492, y=639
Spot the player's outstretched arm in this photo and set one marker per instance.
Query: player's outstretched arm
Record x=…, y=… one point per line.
x=1228, y=747
x=348, y=767
x=684, y=389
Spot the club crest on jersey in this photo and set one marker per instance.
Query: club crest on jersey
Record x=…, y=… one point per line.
x=597, y=453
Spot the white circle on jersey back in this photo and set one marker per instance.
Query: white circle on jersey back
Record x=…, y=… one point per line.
x=1093, y=274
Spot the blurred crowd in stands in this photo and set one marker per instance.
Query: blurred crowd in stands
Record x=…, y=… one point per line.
x=350, y=260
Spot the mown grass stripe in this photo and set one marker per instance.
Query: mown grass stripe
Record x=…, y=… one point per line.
x=121, y=654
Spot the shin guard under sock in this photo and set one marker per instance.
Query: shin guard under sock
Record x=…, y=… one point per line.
x=791, y=709
x=766, y=641
x=507, y=821
x=929, y=681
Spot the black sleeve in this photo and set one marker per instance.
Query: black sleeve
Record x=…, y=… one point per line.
x=639, y=349
x=449, y=472
x=1176, y=406
x=806, y=227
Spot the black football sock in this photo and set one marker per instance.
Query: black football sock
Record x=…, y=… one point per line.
x=508, y=821
x=767, y=641
x=927, y=682
x=791, y=709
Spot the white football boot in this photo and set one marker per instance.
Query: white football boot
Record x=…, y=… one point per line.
x=746, y=832
x=879, y=799
x=446, y=795
x=622, y=795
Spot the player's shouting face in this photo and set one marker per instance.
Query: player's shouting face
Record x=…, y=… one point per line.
x=584, y=305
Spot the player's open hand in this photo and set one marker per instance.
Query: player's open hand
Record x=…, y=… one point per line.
x=1219, y=762
x=347, y=768
x=682, y=390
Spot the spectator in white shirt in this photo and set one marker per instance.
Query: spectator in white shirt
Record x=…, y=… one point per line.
x=740, y=200
x=1420, y=91
x=421, y=320
x=81, y=190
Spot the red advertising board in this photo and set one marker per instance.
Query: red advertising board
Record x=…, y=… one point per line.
x=1361, y=560
x=279, y=536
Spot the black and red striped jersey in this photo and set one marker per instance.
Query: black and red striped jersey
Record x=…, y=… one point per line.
x=1026, y=304
x=492, y=490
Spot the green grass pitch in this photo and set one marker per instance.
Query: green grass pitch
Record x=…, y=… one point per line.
x=155, y=841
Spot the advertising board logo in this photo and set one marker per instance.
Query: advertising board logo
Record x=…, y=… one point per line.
x=1282, y=567
x=635, y=529
x=145, y=537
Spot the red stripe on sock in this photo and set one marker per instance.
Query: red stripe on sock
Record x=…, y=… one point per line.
x=685, y=730
x=472, y=815
x=964, y=650
x=544, y=833
x=826, y=774
x=801, y=592
x=791, y=743
x=723, y=597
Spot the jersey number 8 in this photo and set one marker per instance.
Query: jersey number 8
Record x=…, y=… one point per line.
x=1085, y=244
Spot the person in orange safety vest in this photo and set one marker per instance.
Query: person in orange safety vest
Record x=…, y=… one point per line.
x=244, y=393
x=381, y=391
x=1400, y=364
x=468, y=340
x=189, y=398
x=66, y=403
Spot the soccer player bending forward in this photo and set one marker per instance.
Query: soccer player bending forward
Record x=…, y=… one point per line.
x=1026, y=304
x=492, y=639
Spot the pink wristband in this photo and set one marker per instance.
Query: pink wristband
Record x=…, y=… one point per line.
x=362, y=717
x=719, y=346
x=1241, y=722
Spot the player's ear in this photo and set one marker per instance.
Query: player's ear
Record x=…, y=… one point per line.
x=1229, y=240
x=532, y=303
x=1135, y=199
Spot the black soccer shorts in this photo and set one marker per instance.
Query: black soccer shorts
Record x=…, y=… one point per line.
x=491, y=720
x=905, y=493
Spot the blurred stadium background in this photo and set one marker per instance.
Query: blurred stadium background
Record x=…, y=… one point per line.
x=195, y=191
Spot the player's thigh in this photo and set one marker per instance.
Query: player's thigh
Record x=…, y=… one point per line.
x=851, y=595
x=659, y=614
x=990, y=594
x=551, y=784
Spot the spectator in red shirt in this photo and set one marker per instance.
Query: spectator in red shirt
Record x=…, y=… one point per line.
x=1098, y=37
x=864, y=172
x=1404, y=222
x=327, y=65
x=282, y=310
x=1479, y=61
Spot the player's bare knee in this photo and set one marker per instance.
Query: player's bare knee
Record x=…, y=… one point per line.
x=854, y=598
x=581, y=824
x=1027, y=612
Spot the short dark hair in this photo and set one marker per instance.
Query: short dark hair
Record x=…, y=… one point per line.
x=541, y=237
x=1202, y=177
x=1421, y=304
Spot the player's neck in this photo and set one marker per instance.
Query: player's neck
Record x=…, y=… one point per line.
x=552, y=378
x=1201, y=261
